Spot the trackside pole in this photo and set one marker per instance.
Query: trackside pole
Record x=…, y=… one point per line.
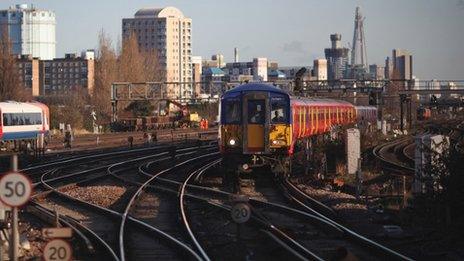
x=14, y=242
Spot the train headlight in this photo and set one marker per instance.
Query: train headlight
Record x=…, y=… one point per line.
x=232, y=142
x=279, y=142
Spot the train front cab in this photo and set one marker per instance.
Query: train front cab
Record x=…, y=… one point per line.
x=253, y=124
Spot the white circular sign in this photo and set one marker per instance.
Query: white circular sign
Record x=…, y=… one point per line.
x=15, y=189
x=57, y=250
x=240, y=213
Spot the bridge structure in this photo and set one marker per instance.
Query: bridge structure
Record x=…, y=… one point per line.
x=375, y=90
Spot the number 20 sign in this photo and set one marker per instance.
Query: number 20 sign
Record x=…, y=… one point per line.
x=58, y=250
x=15, y=189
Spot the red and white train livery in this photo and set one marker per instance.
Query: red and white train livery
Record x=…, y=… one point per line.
x=23, y=120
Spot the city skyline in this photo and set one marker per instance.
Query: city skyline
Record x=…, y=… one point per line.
x=430, y=30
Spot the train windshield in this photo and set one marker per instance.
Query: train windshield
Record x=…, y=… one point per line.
x=256, y=111
x=279, y=110
x=232, y=111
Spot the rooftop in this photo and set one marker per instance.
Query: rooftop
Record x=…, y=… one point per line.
x=159, y=12
x=214, y=71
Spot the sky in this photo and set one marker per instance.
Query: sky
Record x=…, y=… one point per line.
x=291, y=32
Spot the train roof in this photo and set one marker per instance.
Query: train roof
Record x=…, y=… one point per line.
x=13, y=106
x=365, y=107
x=318, y=102
x=255, y=87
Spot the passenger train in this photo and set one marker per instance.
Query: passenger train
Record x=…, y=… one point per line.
x=23, y=120
x=262, y=123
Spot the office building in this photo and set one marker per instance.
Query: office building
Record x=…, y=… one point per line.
x=169, y=32
x=196, y=68
x=377, y=72
x=60, y=75
x=217, y=61
x=320, y=69
x=402, y=64
x=31, y=31
x=219, y=58
x=388, y=68
x=196, y=74
x=337, y=58
x=260, y=69
x=241, y=71
x=28, y=69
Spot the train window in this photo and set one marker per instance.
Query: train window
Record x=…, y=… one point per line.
x=232, y=111
x=279, y=110
x=6, y=119
x=12, y=119
x=256, y=111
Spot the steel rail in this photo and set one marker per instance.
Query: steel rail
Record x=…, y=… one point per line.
x=183, y=211
x=139, y=191
x=370, y=243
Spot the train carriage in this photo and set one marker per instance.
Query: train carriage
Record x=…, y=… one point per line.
x=260, y=122
x=23, y=121
x=366, y=113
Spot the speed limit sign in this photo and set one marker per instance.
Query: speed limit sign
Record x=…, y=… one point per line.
x=240, y=213
x=57, y=250
x=15, y=189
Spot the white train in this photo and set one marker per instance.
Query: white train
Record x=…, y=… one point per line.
x=23, y=120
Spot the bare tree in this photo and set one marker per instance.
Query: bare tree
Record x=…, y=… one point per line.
x=106, y=72
x=153, y=70
x=131, y=61
x=11, y=86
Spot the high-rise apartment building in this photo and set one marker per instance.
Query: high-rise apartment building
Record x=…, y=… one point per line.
x=320, y=69
x=31, y=31
x=169, y=32
x=337, y=58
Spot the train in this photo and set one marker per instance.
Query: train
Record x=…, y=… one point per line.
x=261, y=124
x=23, y=121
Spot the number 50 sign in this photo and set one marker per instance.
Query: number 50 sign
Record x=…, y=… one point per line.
x=15, y=189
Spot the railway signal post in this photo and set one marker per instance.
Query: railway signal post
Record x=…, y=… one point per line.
x=16, y=190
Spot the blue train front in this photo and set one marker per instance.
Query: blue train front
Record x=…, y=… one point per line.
x=254, y=120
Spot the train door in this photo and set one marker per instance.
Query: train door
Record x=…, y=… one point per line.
x=256, y=123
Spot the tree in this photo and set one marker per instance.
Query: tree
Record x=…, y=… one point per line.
x=138, y=64
x=11, y=87
x=129, y=63
x=106, y=72
x=140, y=108
x=69, y=108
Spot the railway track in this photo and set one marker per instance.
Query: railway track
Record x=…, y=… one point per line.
x=280, y=215
x=308, y=203
x=95, y=213
x=391, y=156
x=168, y=185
